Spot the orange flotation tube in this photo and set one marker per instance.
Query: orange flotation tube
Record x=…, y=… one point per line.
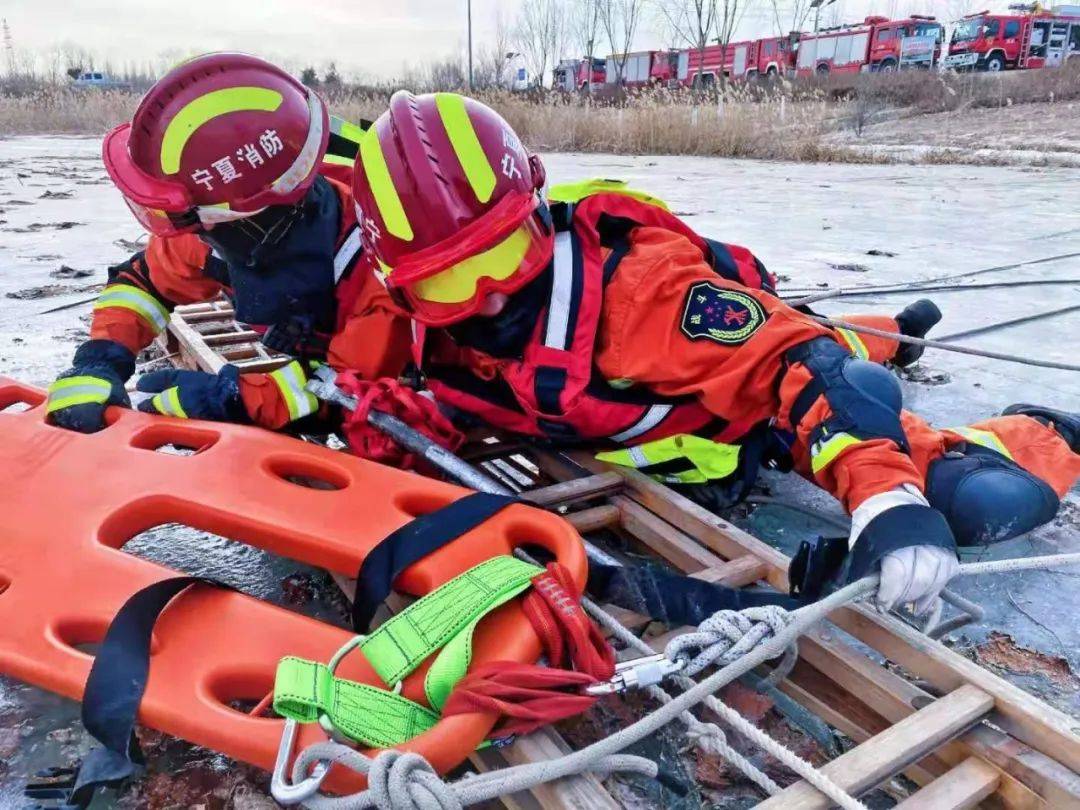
x=73, y=500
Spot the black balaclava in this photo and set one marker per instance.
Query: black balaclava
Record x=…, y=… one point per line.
x=281, y=261
x=506, y=334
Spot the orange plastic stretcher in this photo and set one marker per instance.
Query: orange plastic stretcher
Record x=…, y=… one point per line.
x=71, y=501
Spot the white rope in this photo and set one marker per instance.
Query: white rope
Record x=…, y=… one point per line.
x=937, y=344
x=411, y=786
x=727, y=635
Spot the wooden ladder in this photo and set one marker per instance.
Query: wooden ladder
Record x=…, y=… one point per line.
x=890, y=752
x=976, y=737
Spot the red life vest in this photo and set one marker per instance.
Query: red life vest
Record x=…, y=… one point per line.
x=555, y=390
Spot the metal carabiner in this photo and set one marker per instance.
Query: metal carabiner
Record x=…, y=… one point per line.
x=285, y=792
x=636, y=674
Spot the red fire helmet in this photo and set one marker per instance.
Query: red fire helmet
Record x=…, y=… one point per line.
x=218, y=138
x=450, y=205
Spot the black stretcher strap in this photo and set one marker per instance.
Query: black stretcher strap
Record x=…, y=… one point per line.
x=673, y=599
x=670, y=598
x=414, y=540
x=115, y=689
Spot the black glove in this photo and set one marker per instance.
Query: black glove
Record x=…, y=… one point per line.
x=915, y=321
x=79, y=397
x=194, y=394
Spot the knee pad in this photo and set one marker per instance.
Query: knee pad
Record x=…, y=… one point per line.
x=987, y=498
x=865, y=397
x=874, y=383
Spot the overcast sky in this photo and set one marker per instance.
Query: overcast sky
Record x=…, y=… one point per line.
x=372, y=38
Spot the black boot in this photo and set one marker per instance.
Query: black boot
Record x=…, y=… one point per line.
x=1065, y=423
x=915, y=321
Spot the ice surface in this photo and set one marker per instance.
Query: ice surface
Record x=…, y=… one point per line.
x=801, y=219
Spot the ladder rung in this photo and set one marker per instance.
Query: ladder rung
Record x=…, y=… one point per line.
x=889, y=752
x=957, y=789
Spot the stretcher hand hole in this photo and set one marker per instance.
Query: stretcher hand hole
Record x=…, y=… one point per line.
x=195, y=551
x=308, y=473
x=84, y=634
x=242, y=690
x=175, y=439
x=538, y=540
x=16, y=398
x=416, y=503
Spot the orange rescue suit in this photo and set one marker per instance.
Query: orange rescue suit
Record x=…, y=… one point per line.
x=371, y=337
x=641, y=339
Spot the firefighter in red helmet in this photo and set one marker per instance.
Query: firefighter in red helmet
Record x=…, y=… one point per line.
x=226, y=164
x=590, y=313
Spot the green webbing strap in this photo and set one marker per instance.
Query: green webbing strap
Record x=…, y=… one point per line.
x=304, y=690
x=443, y=620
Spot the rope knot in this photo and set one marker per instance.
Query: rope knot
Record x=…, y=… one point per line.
x=405, y=781
x=727, y=635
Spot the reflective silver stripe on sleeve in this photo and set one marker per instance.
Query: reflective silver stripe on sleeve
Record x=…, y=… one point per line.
x=653, y=417
x=290, y=381
x=348, y=251
x=132, y=298
x=562, y=286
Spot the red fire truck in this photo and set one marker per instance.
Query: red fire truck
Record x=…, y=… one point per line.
x=1031, y=37
x=875, y=44
x=640, y=69
x=773, y=56
x=573, y=74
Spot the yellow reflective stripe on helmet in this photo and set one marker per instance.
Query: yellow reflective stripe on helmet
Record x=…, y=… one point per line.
x=855, y=343
x=575, y=192
x=168, y=403
x=290, y=381
x=824, y=452
x=983, y=438
x=382, y=186
x=127, y=296
x=80, y=390
x=205, y=108
x=458, y=283
x=467, y=147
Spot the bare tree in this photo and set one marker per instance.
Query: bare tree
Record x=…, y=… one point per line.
x=790, y=15
x=585, y=28
x=955, y=9
x=729, y=14
x=540, y=34
x=690, y=21
x=620, y=19
x=491, y=59
x=9, y=48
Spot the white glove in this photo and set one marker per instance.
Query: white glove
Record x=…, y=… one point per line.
x=911, y=574
x=915, y=574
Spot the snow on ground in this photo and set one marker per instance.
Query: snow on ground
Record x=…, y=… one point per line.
x=813, y=224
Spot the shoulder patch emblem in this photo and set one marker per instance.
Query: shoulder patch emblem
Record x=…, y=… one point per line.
x=720, y=315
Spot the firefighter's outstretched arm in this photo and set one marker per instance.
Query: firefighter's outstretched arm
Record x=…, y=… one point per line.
x=131, y=311
x=845, y=414
x=373, y=341
x=671, y=324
